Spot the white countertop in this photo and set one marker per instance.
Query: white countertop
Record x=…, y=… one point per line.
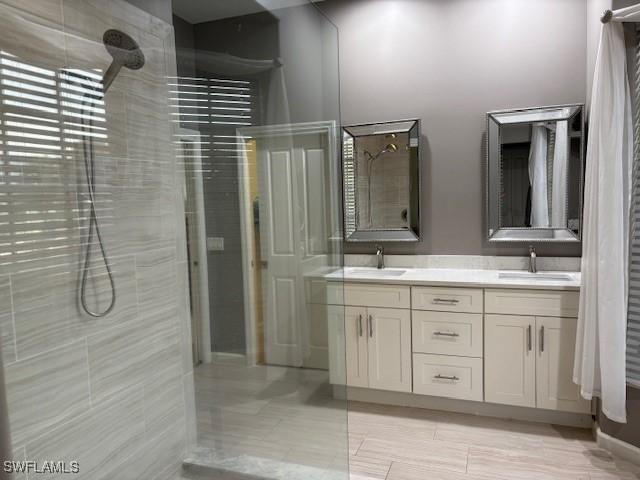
x=456, y=277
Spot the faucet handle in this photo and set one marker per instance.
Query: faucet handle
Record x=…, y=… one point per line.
x=532, y=250
x=379, y=249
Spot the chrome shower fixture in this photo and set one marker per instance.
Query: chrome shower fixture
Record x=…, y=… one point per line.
x=125, y=52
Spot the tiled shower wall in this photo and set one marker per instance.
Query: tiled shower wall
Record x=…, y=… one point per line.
x=114, y=393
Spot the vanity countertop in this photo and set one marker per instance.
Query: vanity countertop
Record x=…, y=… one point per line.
x=458, y=277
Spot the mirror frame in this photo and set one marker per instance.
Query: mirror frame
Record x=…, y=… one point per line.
x=414, y=232
x=498, y=234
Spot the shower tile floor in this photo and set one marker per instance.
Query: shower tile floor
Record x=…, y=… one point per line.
x=284, y=423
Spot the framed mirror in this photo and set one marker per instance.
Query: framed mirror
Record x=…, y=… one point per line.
x=381, y=173
x=535, y=161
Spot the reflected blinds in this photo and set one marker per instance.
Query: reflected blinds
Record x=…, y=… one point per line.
x=41, y=124
x=633, y=332
x=349, y=172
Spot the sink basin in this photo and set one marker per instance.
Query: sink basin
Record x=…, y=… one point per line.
x=373, y=272
x=542, y=276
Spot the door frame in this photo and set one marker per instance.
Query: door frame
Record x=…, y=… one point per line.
x=198, y=246
x=328, y=128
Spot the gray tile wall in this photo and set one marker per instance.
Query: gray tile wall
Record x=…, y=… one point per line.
x=114, y=393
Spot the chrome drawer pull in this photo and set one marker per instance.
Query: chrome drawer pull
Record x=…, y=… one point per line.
x=360, y=324
x=445, y=377
x=446, y=300
x=446, y=334
x=371, y=326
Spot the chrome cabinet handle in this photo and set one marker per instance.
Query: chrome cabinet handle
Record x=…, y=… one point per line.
x=360, y=324
x=542, y=338
x=529, y=338
x=370, y=326
x=445, y=377
x=450, y=301
x=447, y=334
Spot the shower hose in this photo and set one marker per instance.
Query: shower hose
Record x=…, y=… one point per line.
x=94, y=227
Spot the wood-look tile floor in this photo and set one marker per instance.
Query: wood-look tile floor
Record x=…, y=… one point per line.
x=399, y=443
x=288, y=418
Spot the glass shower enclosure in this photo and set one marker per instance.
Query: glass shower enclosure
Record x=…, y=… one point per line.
x=169, y=212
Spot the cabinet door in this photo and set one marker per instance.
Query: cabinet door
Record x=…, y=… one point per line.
x=389, y=333
x=337, y=354
x=355, y=330
x=509, y=360
x=554, y=370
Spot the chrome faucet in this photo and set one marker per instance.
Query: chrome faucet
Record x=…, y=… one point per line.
x=532, y=260
x=380, y=256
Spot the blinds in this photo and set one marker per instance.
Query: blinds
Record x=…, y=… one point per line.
x=633, y=316
x=41, y=127
x=215, y=108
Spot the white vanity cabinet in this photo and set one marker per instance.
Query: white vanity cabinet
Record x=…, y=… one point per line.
x=378, y=338
x=447, y=342
x=508, y=346
x=529, y=358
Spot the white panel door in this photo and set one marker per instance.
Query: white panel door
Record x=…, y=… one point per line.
x=389, y=332
x=280, y=237
x=554, y=369
x=293, y=231
x=510, y=360
x=356, y=346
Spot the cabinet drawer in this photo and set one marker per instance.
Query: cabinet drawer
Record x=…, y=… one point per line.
x=447, y=299
x=547, y=303
x=446, y=376
x=447, y=333
x=370, y=295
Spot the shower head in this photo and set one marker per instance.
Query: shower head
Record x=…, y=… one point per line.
x=392, y=147
x=125, y=52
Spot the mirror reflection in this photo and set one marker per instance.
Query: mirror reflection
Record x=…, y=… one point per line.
x=535, y=174
x=381, y=181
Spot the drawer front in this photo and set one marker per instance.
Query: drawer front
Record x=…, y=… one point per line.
x=446, y=376
x=447, y=333
x=370, y=295
x=546, y=303
x=447, y=299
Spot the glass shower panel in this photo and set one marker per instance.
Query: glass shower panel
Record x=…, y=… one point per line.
x=94, y=314
x=257, y=111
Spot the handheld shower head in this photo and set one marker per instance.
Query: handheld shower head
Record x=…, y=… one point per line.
x=125, y=52
x=392, y=147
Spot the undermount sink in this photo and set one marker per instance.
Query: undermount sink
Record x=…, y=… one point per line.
x=549, y=276
x=373, y=272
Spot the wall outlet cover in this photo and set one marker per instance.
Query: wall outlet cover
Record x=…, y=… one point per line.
x=215, y=244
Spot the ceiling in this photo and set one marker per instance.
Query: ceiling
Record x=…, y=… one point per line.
x=199, y=11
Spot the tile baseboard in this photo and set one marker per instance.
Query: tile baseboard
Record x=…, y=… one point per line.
x=617, y=447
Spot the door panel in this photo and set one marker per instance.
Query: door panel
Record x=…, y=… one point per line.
x=314, y=195
x=356, y=346
x=281, y=203
x=389, y=349
x=510, y=362
x=556, y=346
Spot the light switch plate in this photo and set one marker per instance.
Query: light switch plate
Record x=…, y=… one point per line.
x=215, y=244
